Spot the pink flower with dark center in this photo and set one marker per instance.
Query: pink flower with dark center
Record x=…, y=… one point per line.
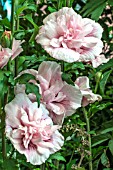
x=60, y=98
x=88, y=96
x=31, y=130
x=5, y=54
x=67, y=36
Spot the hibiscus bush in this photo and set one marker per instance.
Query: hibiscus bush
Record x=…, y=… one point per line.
x=56, y=83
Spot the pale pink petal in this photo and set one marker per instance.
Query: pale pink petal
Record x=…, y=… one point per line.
x=97, y=29
x=73, y=98
x=48, y=73
x=19, y=88
x=12, y=110
x=64, y=54
x=57, y=108
x=16, y=48
x=29, y=71
x=99, y=60
x=90, y=97
x=87, y=95
x=5, y=54
x=57, y=118
x=88, y=53
x=82, y=82
x=42, y=39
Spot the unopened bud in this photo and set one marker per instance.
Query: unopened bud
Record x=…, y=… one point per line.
x=98, y=76
x=6, y=39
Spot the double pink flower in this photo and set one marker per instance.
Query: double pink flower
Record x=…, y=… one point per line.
x=31, y=130
x=67, y=36
x=60, y=98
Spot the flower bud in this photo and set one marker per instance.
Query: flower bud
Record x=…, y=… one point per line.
x=98, y=76
x=6, y=39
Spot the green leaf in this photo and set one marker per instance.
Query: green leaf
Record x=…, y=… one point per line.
x=10, y=164
x=110, y=2
x=98, y=11
x=1, y=87
x=21, y=1
x=97, y=151
x=91, y=6
x=106, y=127
x=35, y=32
x=110, y=145
x=36, y=28
x=1, y=75
x=78, y=65
x=96, y=140
x=24, y=78
x=11, y=80
x=104, y=80
x=104, y=159
x=80, y=169
x=51, y=9
x=24, y=7
x=30, y=19
x=58, y=157
x=5, y=22
x=95, y=108
x=21, y=9
x=67, y=77
x=96, y=164
x=69, y=165
x=21, y=60
x=31, y=88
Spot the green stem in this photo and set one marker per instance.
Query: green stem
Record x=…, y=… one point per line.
x=12, y=30
x=89, y=138
x=42, y=167
x=96, y=87
x=17, y=23
x=3, y=137
x=16, y=66
x=4, y=155
x=62, y=66
x=81, y=159
x=57, y=164
x=67, y=3
x=16, y=59
x=71, y=156
x=12, y=16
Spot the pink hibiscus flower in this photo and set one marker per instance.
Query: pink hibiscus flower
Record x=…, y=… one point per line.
x=88, y=96
x=60, y=98
x=67, y=36
x=31, y=130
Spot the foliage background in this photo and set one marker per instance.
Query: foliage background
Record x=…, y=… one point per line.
x=75, y=152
